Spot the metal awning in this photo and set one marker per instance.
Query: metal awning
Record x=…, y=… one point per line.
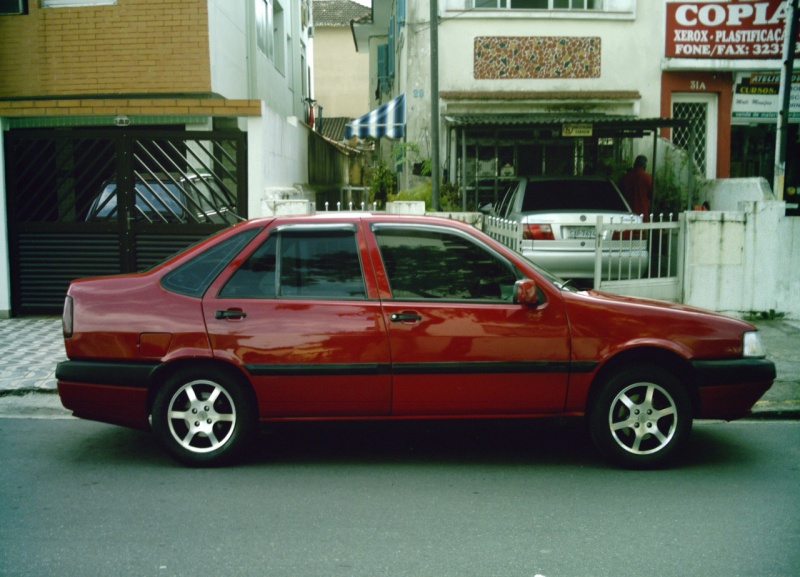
x=622, y=122
x=389, y=119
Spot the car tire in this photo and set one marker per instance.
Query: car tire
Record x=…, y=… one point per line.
x=204, y=416
x=641, y=417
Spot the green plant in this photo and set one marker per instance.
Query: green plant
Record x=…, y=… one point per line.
x=382, y=184
x=670, y=195
x=449, y=196
x=421, y=192
x=411, y=152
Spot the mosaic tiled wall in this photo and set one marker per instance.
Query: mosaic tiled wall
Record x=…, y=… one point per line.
x=536, y=57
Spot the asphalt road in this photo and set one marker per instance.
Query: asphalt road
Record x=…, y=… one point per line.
x=397, y=499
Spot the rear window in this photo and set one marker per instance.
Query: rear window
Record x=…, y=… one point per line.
x=594, y=195
x=193, y=277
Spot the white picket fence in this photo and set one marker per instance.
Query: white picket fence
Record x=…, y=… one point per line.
x=661, y=277
x=508, y=232
x=654, y=271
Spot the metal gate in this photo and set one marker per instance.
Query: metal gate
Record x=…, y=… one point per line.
x=94, y=202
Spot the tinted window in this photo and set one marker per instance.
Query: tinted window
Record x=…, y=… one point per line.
x=256, y=277
x=193, y=277
x=312, y=264
x=430, y=264
x=569, y=194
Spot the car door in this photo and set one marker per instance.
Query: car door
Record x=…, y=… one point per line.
x=296, y=314
x=459, y=343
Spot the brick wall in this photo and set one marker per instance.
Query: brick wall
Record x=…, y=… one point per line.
x=133, y=47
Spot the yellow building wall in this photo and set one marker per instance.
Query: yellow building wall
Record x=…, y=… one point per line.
x=132, y=47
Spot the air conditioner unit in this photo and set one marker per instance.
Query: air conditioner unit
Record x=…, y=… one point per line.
x=13, y=7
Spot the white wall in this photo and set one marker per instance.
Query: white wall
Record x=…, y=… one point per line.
x=745, y=261
x=625, y=66
x=341, y=75
x=277, y=158
x=228, y=40
x=277, y=142
x=728, y=193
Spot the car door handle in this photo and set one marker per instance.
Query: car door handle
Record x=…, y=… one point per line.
x=230, y=314
x=407, y=317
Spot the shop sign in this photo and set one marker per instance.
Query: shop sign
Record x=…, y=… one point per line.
x=726, y=30
x=756, y=97
x=576, y=130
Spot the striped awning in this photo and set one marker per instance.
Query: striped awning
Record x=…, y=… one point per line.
x=389, y=119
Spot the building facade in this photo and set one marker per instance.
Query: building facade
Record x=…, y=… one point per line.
x=341, y=75
x=539, y=87
x=140, y=97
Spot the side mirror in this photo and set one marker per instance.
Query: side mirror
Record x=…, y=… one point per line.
x=526, y=292
x=487, y=209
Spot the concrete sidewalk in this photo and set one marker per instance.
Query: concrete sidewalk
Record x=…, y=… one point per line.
x=31, y=347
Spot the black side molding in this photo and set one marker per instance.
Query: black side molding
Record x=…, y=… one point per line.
x=122, y=374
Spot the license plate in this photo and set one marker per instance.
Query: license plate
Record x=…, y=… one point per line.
x=588, y=232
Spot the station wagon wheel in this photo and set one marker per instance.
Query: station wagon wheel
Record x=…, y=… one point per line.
x=641, y=417
x=203, y=416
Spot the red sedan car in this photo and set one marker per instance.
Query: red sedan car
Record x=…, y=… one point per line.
x=372, y=316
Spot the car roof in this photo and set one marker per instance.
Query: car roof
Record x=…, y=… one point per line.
x=351, y=216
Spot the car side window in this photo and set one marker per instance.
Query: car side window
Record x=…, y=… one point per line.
x=434, y=264
x=301, y=264
x=503, y=207
x=193, y=277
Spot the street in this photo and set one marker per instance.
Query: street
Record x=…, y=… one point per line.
x=397, y=499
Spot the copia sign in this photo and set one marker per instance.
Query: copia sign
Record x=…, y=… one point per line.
x=725, y=29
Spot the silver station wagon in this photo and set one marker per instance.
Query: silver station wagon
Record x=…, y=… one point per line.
x=559, y=216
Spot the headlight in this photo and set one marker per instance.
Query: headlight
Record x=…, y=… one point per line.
x=751, y=345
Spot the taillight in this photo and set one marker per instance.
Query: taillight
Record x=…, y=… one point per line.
x=537, y=232
x=66, y=318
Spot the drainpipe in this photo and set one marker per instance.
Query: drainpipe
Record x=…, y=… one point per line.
x=434, y=104
x=789, y=54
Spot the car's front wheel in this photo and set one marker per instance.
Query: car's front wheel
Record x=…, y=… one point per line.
x=203, y=416
x=641, y=417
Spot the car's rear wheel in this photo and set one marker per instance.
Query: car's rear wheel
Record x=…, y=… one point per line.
x=641, y=417
x=203, y=416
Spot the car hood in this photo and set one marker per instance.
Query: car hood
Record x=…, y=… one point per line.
x=596, y=317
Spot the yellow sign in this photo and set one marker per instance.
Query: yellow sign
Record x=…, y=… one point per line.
x=576, y=130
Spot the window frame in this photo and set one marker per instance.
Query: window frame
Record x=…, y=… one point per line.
x=265, y=34
x=611, y=10
x=517, y=274
x=227, y=248
x=277, y=234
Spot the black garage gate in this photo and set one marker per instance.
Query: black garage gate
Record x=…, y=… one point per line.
x=96, y=202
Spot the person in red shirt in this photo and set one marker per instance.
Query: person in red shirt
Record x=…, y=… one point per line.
x=637, y=188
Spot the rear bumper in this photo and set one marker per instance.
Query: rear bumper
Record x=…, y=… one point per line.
x=573, y=263
x=729, y=389
x=110, y=392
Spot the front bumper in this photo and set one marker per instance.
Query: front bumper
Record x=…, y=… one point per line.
x=729, y=388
